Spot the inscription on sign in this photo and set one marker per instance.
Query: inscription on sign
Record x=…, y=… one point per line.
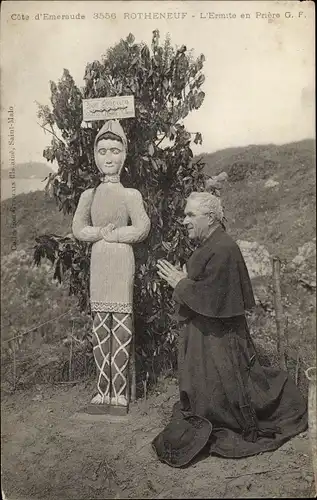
x=108, y=108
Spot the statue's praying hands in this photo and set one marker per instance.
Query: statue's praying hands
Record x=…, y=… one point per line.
x=107, y=233
x=171, y=274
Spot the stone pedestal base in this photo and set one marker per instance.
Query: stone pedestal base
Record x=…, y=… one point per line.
x=105, y=409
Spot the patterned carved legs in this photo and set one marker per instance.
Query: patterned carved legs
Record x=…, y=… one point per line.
x=112, y=335
x=120, y=354
x=101, y=335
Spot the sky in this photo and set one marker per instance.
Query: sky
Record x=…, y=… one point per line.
x=259, y=70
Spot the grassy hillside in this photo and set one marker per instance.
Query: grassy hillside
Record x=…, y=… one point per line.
x=257, y=154
x=36, y=213
x=282, y=218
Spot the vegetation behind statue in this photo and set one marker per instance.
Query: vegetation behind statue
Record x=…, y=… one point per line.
x=166, y=84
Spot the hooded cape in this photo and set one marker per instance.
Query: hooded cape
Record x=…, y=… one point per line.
x=218, y=283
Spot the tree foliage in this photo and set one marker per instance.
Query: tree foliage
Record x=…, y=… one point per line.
x=166, y=83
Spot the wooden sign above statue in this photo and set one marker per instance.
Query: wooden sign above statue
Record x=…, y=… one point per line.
x=108, y=108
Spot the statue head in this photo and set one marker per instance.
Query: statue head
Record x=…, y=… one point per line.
x=110, y=149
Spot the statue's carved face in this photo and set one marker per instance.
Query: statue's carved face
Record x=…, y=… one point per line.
x=110, y=156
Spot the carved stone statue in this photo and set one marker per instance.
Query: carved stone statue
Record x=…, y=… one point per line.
x=102, y=218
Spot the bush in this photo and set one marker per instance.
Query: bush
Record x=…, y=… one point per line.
x=166, y=83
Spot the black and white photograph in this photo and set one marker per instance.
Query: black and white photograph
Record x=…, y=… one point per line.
x=158, y=249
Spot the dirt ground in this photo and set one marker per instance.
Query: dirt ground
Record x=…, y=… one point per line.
x=50, y=451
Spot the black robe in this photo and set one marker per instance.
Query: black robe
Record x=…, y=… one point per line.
x=252, y=408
